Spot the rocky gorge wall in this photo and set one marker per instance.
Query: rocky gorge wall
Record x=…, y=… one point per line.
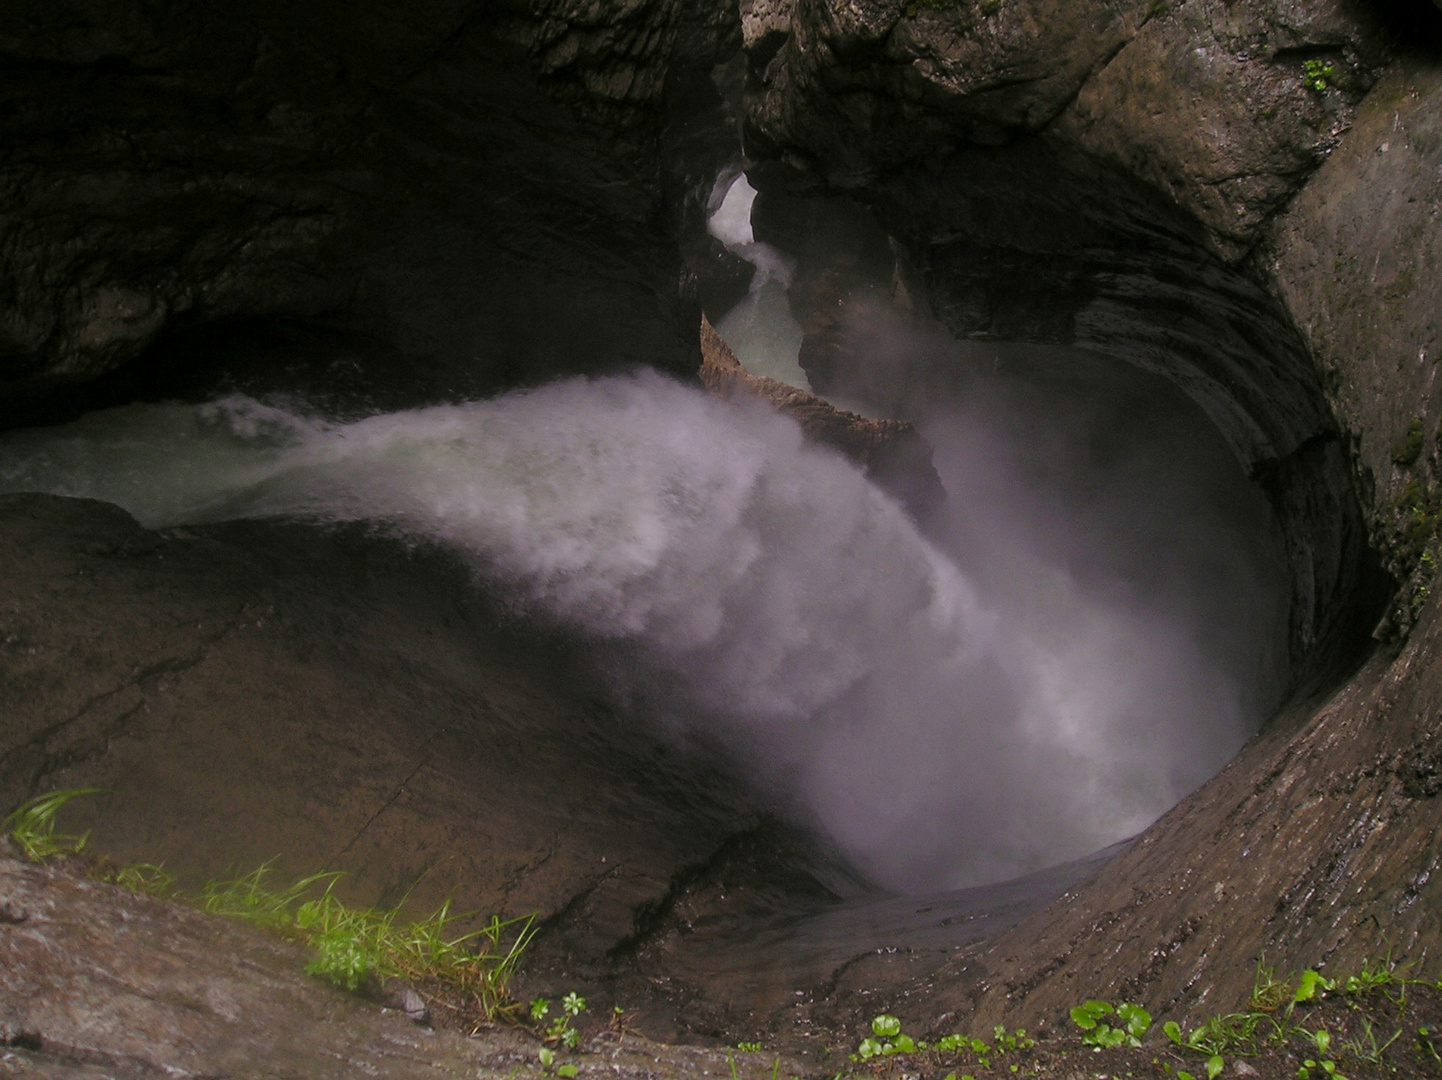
x=1245, y=197
x=388, y=203
x=454, y=197
x=1111, y=179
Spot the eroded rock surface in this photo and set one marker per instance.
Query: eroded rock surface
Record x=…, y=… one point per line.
x=1207, y=189
x=1216, y=192
x=96, y=981
x=1201, y=99
x=1098, y=175
x=1320, y=844
x=1358, y=258
x=262, y=693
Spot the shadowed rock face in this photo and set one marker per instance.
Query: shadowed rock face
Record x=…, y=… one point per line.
x=1201, y=100
x=1243, y=197
x=1356, y=259
x=473, y=195
x=252, y=693
x=1319, y=844
x=1097, y=178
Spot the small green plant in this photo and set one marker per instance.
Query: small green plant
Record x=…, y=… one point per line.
x=250, y=897
x=1326, y=1067
x=1228, y=1033
x=1249, y=1033
x=1429, y=1039
x=1268, y=992
x=1364, y=1048
x=1017, y=1040
x=1319, y=74
x=886, y=1038
x=352, y=944
x=749, y=1047
x=1003, y=1043
x=954, y=1044
x=1381, y=974
x=560, y=1030
x=547, y=1057
x=1135, y=1021
x=1426, y=571
x=1310, y=986
x=32, y=826
x=1411, y=550
x=356, y=944
x=152, y=879
x=1408, y=449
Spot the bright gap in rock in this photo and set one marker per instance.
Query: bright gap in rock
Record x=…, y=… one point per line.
x=761, y=330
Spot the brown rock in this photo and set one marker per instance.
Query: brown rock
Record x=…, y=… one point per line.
x=858, y=437
x=1202, y=99
x=407, y=179
x=266, y=693
x=1102, y=189
x=891, y=452
x=1358, y=260
x=1209, y=103
x=106, y=983
x=1312, y=847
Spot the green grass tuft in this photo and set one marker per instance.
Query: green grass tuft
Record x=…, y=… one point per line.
x=152, y=879
x=353, y=945
x=32, y=826
x=357, y=945
x=250, y=897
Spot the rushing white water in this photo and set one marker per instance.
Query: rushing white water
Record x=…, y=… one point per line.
x=761, y=330
x=742, y=582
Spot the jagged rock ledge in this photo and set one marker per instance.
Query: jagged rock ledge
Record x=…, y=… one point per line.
x=892, y=452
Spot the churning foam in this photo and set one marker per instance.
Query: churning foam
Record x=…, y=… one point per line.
x=779, y=600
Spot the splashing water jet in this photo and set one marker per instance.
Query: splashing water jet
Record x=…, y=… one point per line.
x=740, y=584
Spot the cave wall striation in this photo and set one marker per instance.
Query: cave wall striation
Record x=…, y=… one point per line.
x=1109, y=176
x=1242, y=196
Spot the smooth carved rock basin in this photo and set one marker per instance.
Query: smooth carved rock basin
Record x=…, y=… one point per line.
x=420, y=185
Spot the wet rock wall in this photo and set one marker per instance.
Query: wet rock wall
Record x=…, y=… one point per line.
x=1110, y=178
x=1243, y=197
x=272, y=694
x=465, y=196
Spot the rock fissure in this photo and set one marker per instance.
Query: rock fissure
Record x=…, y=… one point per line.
x=652, y=916
x=400, y=790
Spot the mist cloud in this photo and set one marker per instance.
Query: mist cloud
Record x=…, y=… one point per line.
x=1008, y=691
